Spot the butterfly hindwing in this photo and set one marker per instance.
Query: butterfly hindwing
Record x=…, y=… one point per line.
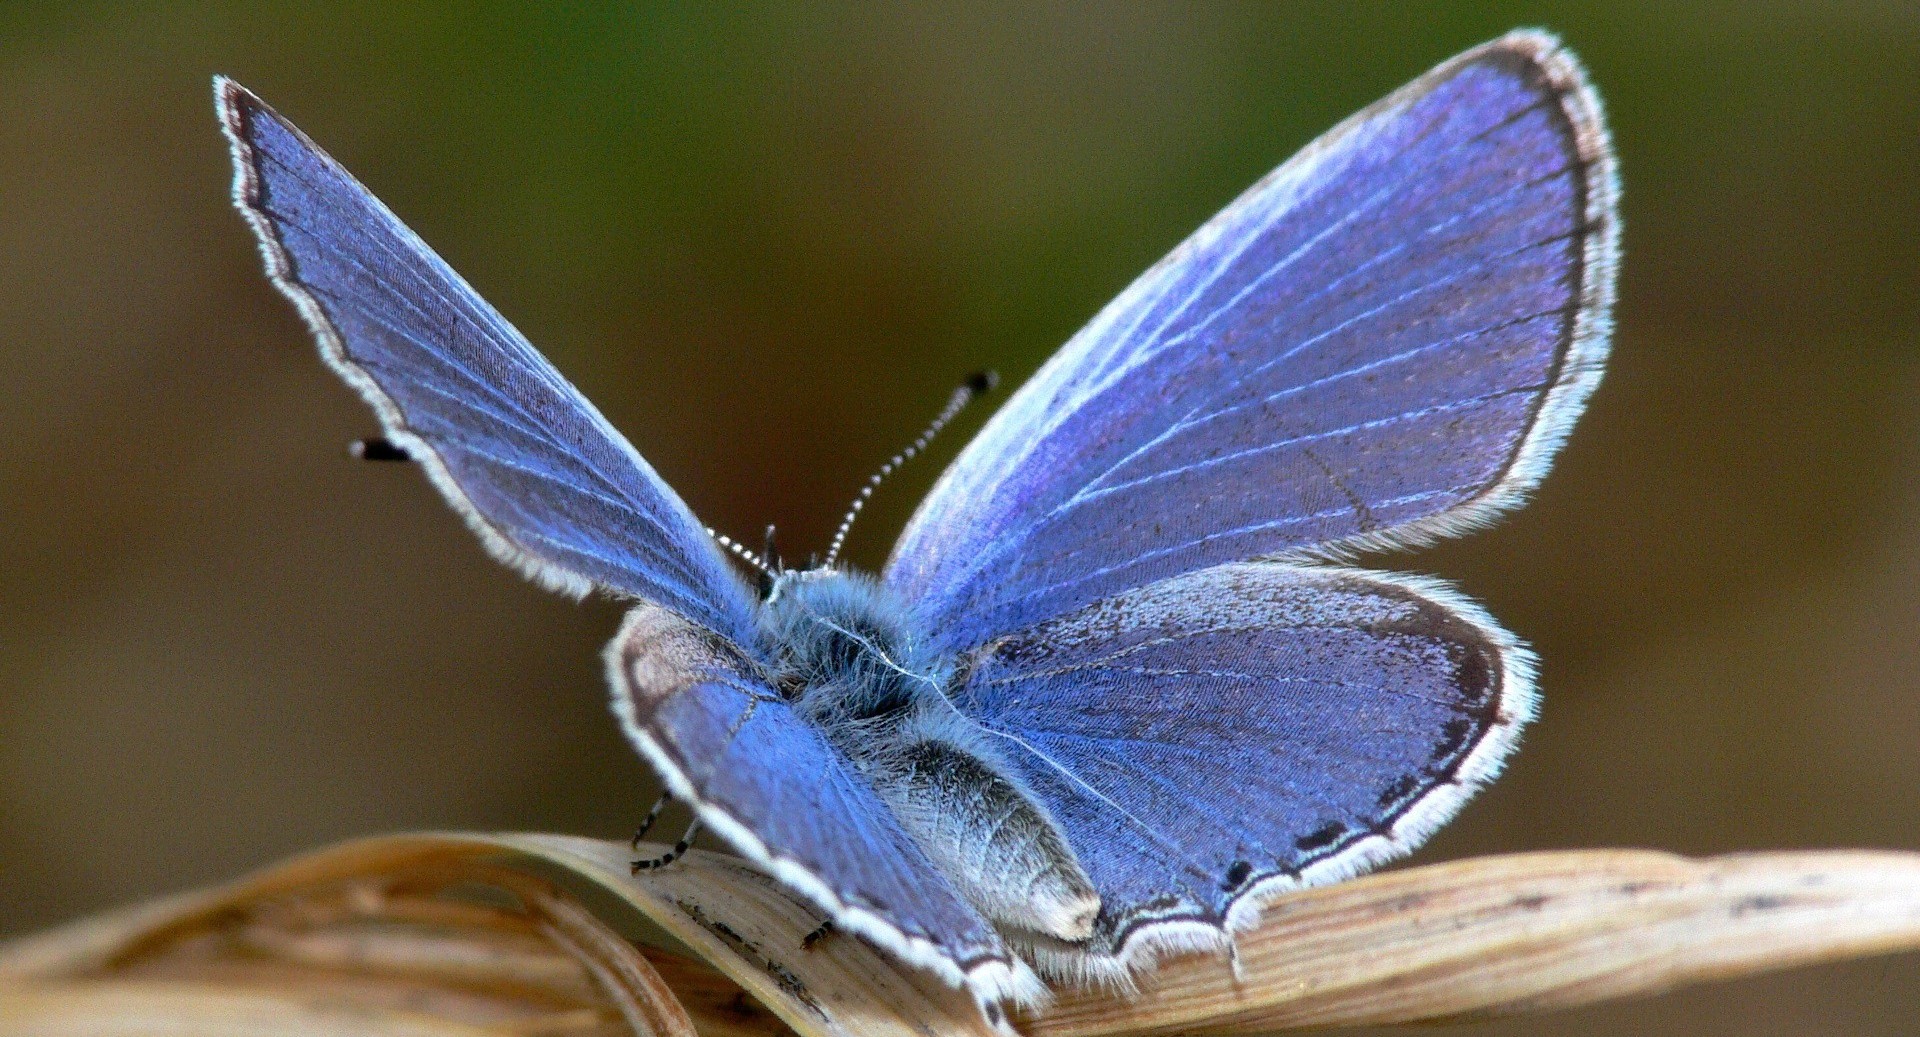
x=1383, y=341
x=550, y=486
x=1245, y=729
x=729, y=744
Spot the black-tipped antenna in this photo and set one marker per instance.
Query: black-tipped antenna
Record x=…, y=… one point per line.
x=978, y=384
x=379, y=448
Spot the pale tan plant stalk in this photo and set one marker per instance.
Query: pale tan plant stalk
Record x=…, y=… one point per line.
x=550, y=936
x=453, y=934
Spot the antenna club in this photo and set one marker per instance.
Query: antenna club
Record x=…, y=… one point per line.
x=378, y=448
x=983, y=382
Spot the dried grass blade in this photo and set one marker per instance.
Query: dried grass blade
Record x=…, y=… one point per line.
x=1475, y=937
x=148, y=1008
x=1500, y=935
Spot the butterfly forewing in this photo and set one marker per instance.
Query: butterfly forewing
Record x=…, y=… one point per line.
x=1381, y=342
x=540, y=475
x=552, y=488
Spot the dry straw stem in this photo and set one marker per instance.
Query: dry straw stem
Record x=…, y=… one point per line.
x=449, y=934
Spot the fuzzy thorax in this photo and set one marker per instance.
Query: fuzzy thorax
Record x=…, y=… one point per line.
x=848, y=657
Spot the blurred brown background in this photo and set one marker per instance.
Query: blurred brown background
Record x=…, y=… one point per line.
x=767, y=242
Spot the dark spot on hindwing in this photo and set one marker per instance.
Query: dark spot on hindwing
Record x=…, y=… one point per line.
x=1322, y=837
x=1453, y=735
x=1474, y=671
x=1399, y=789
x=1237, y=876
x=963, y=668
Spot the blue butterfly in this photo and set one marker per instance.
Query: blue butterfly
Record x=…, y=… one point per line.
x=1115, y=687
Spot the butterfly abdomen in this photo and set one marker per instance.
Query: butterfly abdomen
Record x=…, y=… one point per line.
x=850, y=660
x=994, y=842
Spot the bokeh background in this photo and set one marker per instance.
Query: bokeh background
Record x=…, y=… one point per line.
x=768, y=241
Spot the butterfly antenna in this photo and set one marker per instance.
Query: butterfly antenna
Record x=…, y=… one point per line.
x=977, y=385
x=739, y=550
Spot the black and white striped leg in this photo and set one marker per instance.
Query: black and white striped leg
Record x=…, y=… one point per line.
x=824, y=930
x=653, y=815
x=681, y=847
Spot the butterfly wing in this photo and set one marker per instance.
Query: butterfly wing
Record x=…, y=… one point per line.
x=730, y=745
x=1243, y=730
x=553, y=489
x=1382, y=342
x=549, y=486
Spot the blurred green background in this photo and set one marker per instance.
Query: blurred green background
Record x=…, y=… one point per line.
x=768, y=241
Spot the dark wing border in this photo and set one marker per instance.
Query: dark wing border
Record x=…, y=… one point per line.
x=1583, y=353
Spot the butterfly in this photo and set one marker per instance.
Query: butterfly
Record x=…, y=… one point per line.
x=1118, y=684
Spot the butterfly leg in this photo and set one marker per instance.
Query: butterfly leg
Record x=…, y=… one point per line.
x=825, y=930
x=646, y=824
x=679, y=848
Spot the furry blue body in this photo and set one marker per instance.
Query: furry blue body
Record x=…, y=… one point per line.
x=846, y=654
